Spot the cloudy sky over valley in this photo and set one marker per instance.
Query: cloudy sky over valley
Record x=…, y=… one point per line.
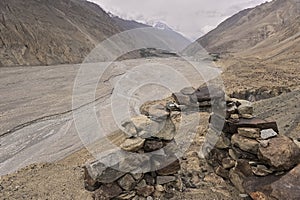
x=192, y=18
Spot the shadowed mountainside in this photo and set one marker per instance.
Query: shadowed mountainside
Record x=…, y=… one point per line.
x=46, y=32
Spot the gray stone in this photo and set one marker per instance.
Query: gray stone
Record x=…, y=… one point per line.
x=132, y=144
x=99, y=172
x=146, y=126
x=267, y=133
x=282, y=153
x=127, y=182
x=245, y=144
x=167, y=132
x=249, y=132
x=188, y=91
x=161, y=180
x=135, y=163
x=158, y=113
x=129, y=129
x=182, y=99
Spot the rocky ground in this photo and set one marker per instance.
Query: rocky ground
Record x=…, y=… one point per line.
x=63, y=178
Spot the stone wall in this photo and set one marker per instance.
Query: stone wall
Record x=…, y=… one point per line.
x=246, y=151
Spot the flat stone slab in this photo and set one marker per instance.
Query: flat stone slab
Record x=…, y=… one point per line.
x=232, y=126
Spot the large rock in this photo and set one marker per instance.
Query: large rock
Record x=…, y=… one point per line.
x=245, y=144
x=97, y=171
x=231, y=126
x=275, y=187
x=249, y=132
x=288, y=187
x=168, y=131
x=182, y=99
x=132, y=144
x=208, y=93
x=239, y=174
x=146, y=126
x=281, y=153
x=127, y=182
x=157, y=111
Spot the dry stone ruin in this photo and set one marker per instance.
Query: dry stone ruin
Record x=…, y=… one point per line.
x=249, y=152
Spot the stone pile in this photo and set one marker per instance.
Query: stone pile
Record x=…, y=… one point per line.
x=148, y=167
x=251, y=153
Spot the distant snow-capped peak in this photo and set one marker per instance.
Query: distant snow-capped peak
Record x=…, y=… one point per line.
x=162, y=26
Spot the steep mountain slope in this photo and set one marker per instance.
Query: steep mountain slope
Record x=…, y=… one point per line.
x=45, y=32
x=266, y=31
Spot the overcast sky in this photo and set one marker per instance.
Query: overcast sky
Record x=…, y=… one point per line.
x=192, y=18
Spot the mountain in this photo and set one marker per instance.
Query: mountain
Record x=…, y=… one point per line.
x=128, y=24
x=47, y=32
x=267, y=31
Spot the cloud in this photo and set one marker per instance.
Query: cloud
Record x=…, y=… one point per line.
x=193, y=18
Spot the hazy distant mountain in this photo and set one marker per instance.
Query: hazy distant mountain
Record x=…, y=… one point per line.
x=266, y=31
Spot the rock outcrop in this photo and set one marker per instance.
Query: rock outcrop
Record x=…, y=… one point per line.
x=252, y=155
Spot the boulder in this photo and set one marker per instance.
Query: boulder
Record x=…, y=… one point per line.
x=127, y=182
x=249, y=132
x=281, y=153
x=287, y=187
x=132, y=144
x=145, y=191
x=97, y=171
x=245, y=144
x=239, y=174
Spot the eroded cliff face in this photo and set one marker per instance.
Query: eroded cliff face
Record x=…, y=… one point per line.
x=48, y=32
